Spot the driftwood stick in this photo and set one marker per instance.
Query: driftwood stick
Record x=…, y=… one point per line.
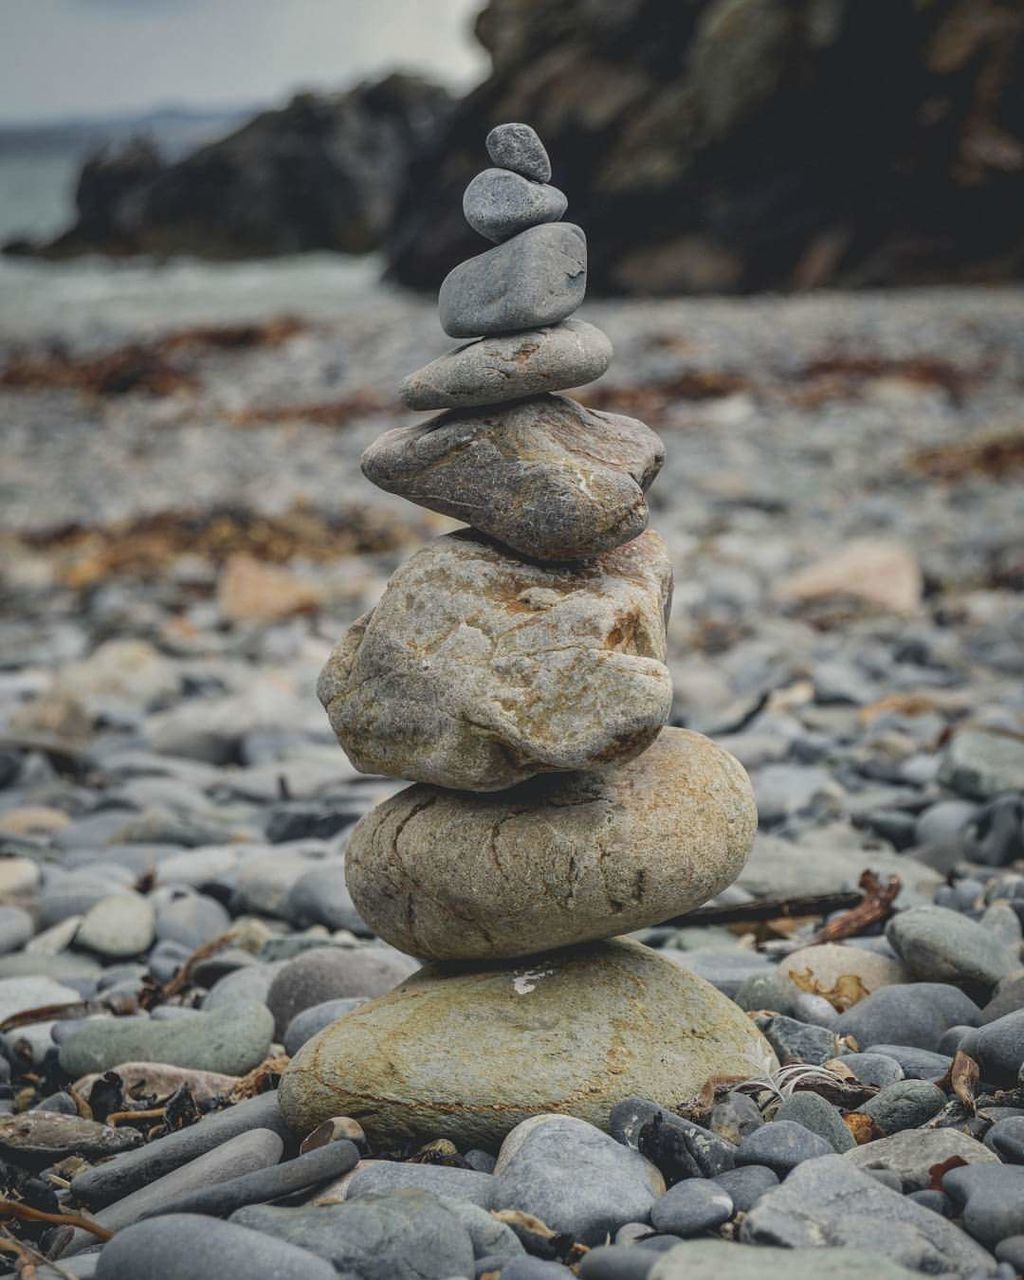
x=811, y=904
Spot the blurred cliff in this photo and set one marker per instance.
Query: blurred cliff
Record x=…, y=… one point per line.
x=706, y=145
x=322, y=173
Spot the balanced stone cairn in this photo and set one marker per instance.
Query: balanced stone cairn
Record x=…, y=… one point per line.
x=515, y=672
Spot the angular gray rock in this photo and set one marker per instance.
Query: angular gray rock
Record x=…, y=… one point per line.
x=573, y=1177
x=546, y=476
x=400, y=1236
x=187, y=1246
x=827, y=1202
x=554, y=861
x=517, y=147
x=913, y=1153
x=498, y=204
x=510, y=366
x=476, y=671
x=537, y=278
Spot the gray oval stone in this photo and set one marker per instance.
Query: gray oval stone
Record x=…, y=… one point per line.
x=517, y=147
x=232, y=1041
x=477, y=670
x=557, y=860
x=499, y=203
x=184, y=1246
x=537, y=278
x=510, y=366
x=547, y=477
x=573, y=1031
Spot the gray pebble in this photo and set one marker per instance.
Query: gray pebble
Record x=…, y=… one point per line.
x=991, y=1200
x=381, y=1177
x=938, y=945
x=517, y=147
x=747, y=1184
x=691, y=1207
x=187, y=1246
x=537, y=278
x=781, y=1146
x=334, y=973
x=498, y=204
x=904, y=1105
x=911, y=1014
x=872, y=1068
x=821, y=1117
x=305, y=1025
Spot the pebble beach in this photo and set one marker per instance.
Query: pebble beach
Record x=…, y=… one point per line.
x=186, y=532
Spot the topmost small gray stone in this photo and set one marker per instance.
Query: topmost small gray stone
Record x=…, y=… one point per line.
x=517, y=147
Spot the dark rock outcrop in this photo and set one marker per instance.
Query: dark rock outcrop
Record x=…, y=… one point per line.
x=323, y=173
x=748, y=144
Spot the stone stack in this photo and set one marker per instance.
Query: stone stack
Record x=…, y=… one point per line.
x=515, y=672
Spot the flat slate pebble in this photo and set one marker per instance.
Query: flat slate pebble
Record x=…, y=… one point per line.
x=187, y=1246
x=747, y=1184
x=379, y=1177
x=517, y=147
x=117, y=1178
x=511, y=366
x=912, y=1154
x=383, y=1237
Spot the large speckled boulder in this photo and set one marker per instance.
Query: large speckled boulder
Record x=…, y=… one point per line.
x=471, y=1053
x=548, y=477
x=510, y=366
x=477, y=670
x=557, y=860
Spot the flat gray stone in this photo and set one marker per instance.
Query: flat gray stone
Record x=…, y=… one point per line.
x=306, y=1024
x=477, y=670
x=826, y=1202
x=510, y=366
x=240, y=1155
x=190, y=1247
x=18, y=995
x=546, y=476
x=377, y=1177
x=499, y=203
x=719, y=1260
x=914, y=1014
x=517, y=147
x=981, y=764
x=537, y=278
x=232, y=1041
x=912, y=1154
x=120, y=1177
x=405, y=1235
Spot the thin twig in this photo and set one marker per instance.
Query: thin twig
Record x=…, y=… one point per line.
x=154, y=1113
x=17, y=1210
x=812, y=904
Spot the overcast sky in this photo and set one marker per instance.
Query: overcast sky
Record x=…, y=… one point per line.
x=71, y=57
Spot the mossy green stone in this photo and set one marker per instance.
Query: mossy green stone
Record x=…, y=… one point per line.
x=469, y=1053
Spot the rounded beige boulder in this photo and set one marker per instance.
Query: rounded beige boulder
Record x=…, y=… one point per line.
x=470, y=1054
x=557, y=860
